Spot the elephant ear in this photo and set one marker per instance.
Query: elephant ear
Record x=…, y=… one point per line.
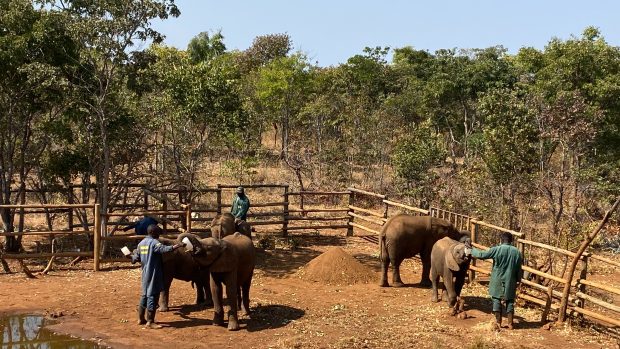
x=450, y=260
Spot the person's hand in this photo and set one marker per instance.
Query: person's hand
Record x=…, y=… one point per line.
x=175, y=246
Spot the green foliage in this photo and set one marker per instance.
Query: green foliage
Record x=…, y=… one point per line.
x=510, y=136
x=203, y=47
x=417, y=154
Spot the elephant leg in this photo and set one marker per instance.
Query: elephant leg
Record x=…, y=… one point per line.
x=231, y=294
x=447, y=280
x=165, y=294
x=200, y=292
x=425, y=255
x=435, y=281
x=216, y=292
x=396, y=281
x=208, y=295
x=458, y=284
x=385, y=264
x=245, y=289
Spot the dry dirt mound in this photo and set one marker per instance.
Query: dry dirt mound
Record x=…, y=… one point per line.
x=336, y=267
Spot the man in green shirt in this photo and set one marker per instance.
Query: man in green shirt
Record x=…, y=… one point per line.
x=240, y=205
x=505, y=276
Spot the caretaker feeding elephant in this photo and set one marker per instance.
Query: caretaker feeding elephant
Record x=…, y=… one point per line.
x=404, y=236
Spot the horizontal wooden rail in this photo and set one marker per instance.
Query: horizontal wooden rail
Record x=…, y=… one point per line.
x=144, y=213
x=50, y=210
x=363, y=228
x=298, y=218
x=45, y=255
x=485, y=224
x=370, y=212
x=319, y=193
x=66, y=206
x=339, y=226
x=535, y=300
x=267, y=214
x=613, y=321
x=266, y=204
x=599, y=285
x=542, y=288
x=311, y=210
x=407, y=207
x=548, y=247
x=206, y=210
x=603, y=259
x=45, y=233
x=359, y=191
x=543, y=274
x=135, y=237
x=232, y=186
x=598, y=302
x=266, y=222
x=367, y=219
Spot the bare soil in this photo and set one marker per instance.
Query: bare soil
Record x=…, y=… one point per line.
x=288, y=311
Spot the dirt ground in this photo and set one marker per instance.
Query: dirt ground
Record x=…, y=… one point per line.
x=287, y=311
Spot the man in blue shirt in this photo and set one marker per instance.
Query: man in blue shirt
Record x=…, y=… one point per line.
x=149, y=254
x=141, y=225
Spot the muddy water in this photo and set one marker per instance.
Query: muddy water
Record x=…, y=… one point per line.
x=25, y=331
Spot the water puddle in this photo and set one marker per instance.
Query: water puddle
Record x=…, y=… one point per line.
x=25, y=331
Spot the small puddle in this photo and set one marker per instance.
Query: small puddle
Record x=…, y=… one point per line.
x=26, y=331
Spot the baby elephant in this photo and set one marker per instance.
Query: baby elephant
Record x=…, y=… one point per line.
x=449, y=260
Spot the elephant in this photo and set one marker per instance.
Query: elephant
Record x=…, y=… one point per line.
x=180, y=265
x=404, y=236
x=225, y=224
x=231, y=261
x=449, y=261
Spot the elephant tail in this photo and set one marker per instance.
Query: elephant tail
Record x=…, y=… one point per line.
x=383, y=254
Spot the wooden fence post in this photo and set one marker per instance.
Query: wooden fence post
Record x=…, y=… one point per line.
x=70, y=212
x=188, y=218
x=474, y=239
x=583, y=275
x=97, y=236
x=146, y=200
x=164, y=208
x=385, y=211
x=351, y=202
x=285, y=212
x=219, y=199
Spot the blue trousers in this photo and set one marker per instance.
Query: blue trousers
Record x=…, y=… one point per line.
x=150, y=302
x=497, y=305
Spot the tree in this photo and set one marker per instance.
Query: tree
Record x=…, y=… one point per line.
x=107, y=32
x=35, y=58
x=203, y=47
x=510, y=150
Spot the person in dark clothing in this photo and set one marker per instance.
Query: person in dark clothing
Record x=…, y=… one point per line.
x=505, y=276
x=149, y=254
x=240, y=205
x=141, y=225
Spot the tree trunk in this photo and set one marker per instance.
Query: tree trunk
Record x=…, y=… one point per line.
x=582, y=248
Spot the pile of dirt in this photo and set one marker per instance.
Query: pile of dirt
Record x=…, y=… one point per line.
x=336, y=267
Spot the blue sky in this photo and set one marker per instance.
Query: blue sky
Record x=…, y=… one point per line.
x=332, y=31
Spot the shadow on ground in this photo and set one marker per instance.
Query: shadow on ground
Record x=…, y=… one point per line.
x=272, y=316
x=484, y=305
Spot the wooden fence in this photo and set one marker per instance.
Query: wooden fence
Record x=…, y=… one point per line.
x=283, y=211
x=541, y=287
